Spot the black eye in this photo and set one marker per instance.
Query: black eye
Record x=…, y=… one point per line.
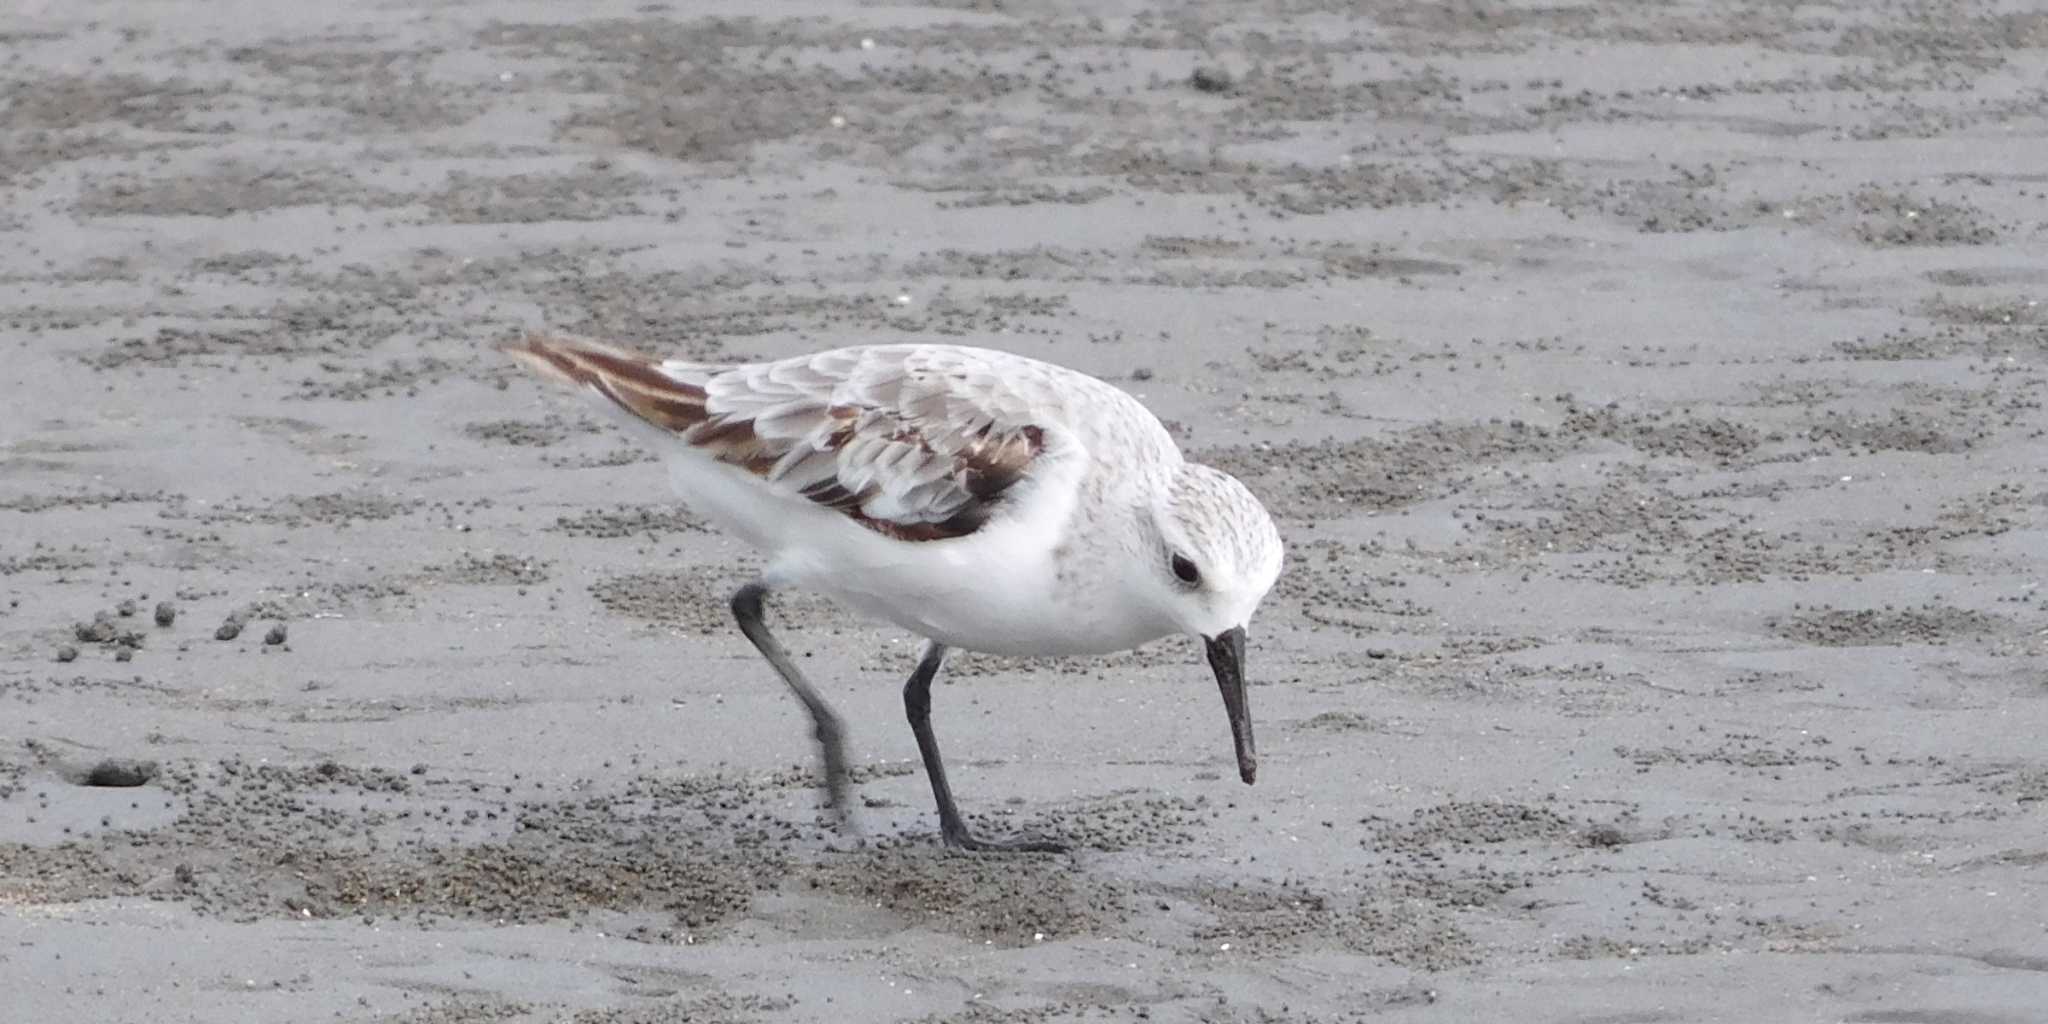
x=1186, y=570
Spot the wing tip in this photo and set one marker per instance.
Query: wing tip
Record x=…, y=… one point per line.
x=536, y=352
x=577, y=361
x=632, y=380
x=541, y=350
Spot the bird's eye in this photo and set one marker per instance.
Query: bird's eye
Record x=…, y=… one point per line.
x=1185, y=570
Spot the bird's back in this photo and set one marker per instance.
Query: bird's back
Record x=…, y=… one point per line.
x=945, y=385
x=915, y=442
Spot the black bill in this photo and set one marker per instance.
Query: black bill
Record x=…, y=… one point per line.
x=1226, y=658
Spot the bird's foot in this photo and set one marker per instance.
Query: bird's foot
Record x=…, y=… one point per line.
x=841, y=820
x=838, y=785
x=838, y=801
x=960, y=839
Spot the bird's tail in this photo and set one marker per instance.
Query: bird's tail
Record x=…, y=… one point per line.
x=636, y=383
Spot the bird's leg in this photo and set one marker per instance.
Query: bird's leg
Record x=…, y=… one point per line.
x=917, y=702
x=746, y=607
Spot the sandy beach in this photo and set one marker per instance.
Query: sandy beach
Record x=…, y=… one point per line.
x=1651, y=397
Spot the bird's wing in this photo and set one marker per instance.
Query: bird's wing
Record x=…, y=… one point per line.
x=917, y=443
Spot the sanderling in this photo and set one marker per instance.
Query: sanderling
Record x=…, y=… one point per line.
x=979, y=499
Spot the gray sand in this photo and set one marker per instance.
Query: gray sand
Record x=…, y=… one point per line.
x=1651, y=396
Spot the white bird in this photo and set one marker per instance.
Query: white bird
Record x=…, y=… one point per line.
x=979, y=499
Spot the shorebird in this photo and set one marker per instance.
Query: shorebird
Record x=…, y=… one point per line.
x=982, y=500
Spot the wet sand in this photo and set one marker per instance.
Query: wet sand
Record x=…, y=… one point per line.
x=1651, y=397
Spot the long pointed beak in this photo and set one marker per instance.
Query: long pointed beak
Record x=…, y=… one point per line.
x=1226, y=658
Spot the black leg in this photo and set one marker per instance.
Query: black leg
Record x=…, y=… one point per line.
x=746, y=607
x=917, y=702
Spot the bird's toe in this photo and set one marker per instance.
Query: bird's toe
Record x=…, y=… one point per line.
x=968, y=841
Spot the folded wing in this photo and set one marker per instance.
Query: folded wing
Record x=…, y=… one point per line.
x=894, y=437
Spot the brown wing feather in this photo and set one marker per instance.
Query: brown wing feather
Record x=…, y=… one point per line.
x=632, y=380
x=834, y=454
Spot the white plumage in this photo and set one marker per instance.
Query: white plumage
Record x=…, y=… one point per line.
x=981, y=499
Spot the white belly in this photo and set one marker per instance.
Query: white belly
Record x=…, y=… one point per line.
x=997, y=590
x=972, y=596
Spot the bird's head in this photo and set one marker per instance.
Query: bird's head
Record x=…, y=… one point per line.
x=1218, y=554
